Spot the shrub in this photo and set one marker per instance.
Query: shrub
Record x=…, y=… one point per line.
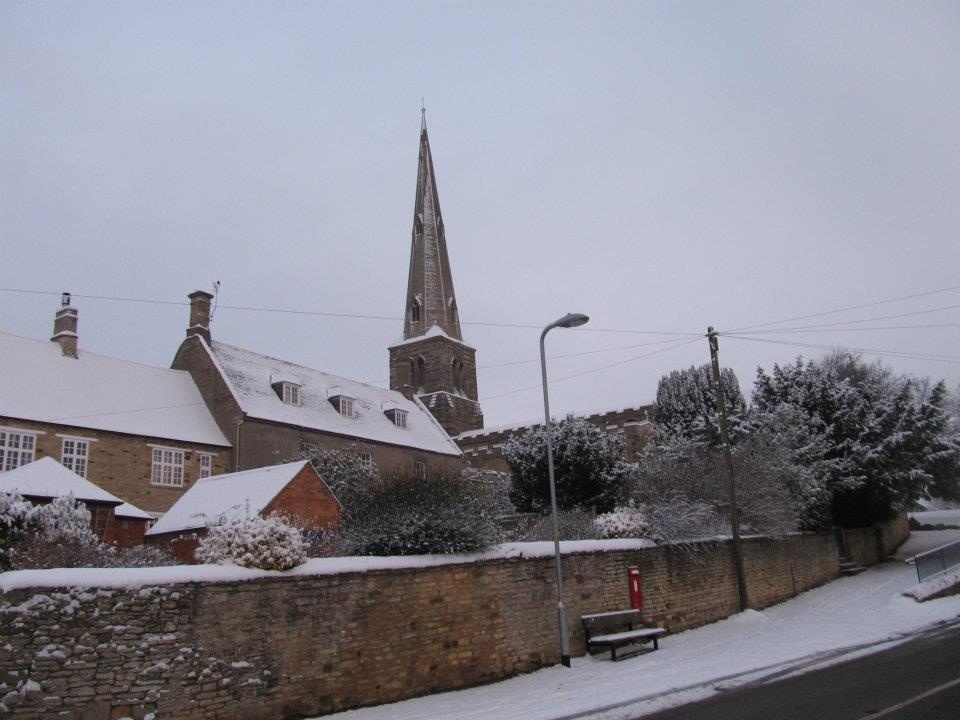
x=402, y=514
x=267, y=543
x=623, y=522
x=589, y=467
x=571, y=525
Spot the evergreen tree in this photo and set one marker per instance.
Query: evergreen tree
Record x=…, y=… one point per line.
x=589, y=467
x=687, y=408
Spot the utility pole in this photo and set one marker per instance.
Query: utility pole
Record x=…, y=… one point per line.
x=731, y=478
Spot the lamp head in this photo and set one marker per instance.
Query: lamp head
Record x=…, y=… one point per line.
x=572, y=320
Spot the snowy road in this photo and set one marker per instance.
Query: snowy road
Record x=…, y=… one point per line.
x=841, y=620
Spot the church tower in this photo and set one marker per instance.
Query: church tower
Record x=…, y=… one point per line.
x=432, y=361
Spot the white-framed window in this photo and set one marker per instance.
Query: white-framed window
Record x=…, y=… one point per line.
x=398, y=417
x=366, y=458
x=206, y=465
x=291, y=393
x=419, y=468
x=17, y=447
x=74, y=454
x=346, y=406
x=167, y=468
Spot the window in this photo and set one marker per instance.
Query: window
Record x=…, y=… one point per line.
x=167, y=467
x=366, y=458
x=74, y=454
x=291, y=393
x=418, y=371
x=415, y=311
x=397, y=417
x=419, y=468
x=346, y=406
x=16, y=448
x=206, y=465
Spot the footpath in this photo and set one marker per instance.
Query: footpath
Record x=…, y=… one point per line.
x=845, y=618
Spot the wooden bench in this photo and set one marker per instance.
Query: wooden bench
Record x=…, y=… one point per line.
x=618, y=629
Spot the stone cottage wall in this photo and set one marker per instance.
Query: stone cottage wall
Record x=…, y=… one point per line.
x=289, y=647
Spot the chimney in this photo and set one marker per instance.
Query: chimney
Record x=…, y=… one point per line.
x=199, y=314
x=65, y=327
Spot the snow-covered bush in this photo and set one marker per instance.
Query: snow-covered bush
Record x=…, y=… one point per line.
x=268, y=543
x=571, y=525
x=141, y=556
x=344, y=471
x=58, y=534
x=15, y=520
x=403, y=514
x=624, y=522
x=589, y=467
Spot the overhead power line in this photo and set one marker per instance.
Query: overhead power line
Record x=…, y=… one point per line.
x=591, y=370
x=849, y=308
x=865, y=351
x=823, y=329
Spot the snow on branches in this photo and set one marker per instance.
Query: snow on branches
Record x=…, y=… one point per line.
x=268, y=543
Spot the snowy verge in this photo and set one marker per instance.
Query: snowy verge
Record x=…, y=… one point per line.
x=139, y=577
x=948, y=584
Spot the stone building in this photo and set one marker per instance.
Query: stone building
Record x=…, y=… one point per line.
x=272, y=410
x=431, y=361
x=139, y=432
x=484, y=448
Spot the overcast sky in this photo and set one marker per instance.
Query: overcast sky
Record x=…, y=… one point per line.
x=658, y=166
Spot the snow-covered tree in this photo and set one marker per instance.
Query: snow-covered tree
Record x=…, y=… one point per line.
x=687, y=409
x=268, y=543
x=589, y=467
x=877, y=442
x=404, y=514
x=344, y=471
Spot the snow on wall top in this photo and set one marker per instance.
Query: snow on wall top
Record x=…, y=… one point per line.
x=250, y=375
x=141, y=577
x=229, y=494
x=101, y=393
x=47, y=478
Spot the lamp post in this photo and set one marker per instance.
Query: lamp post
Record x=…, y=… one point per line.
x=567, y=321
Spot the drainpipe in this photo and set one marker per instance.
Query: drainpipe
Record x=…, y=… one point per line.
x=236, y=446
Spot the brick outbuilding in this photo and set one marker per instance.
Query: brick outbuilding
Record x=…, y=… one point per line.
x=293, y=490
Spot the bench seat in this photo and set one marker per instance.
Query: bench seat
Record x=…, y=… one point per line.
x=617, y=629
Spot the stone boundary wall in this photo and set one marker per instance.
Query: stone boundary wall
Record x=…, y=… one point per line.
x=288, y=647
x=868, y=546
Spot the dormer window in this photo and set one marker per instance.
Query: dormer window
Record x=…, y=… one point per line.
x=288, y=391
x=343, y=405
x=397, y=417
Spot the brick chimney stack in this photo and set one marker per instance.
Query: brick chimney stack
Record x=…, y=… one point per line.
x=199, y=314
x=65, y=327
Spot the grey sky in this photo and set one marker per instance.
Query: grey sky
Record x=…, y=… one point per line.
x=658, y=166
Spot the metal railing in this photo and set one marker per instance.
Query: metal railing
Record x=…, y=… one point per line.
x=939, y=560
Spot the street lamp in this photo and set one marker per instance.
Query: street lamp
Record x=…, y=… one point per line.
x=569, y=320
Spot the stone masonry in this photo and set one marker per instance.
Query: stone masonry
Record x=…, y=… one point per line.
x=290, y=647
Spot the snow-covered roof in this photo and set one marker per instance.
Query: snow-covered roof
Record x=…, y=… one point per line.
x=101, y=393
x=233, y=493
x=131, y=511
x=434, y=331
x=47, y=478
x=249, y=376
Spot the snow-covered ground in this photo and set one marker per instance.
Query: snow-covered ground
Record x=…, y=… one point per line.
x=845, y=618
x=937, y=517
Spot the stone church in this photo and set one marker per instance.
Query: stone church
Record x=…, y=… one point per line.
x=433, y=363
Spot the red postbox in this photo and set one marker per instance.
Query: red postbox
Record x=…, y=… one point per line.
x=636, y=587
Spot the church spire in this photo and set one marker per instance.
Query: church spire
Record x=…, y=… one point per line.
x=430, y=297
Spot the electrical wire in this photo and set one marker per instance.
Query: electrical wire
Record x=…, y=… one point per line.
x=851, y=307
x=865, y=351
x=590, y=371
x=787, y=331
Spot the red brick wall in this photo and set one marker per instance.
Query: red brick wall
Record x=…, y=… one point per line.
x=126, y=532
x=308, y=501
x=180, y=545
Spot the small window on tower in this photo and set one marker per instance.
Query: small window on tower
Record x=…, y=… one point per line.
x=414, y=311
